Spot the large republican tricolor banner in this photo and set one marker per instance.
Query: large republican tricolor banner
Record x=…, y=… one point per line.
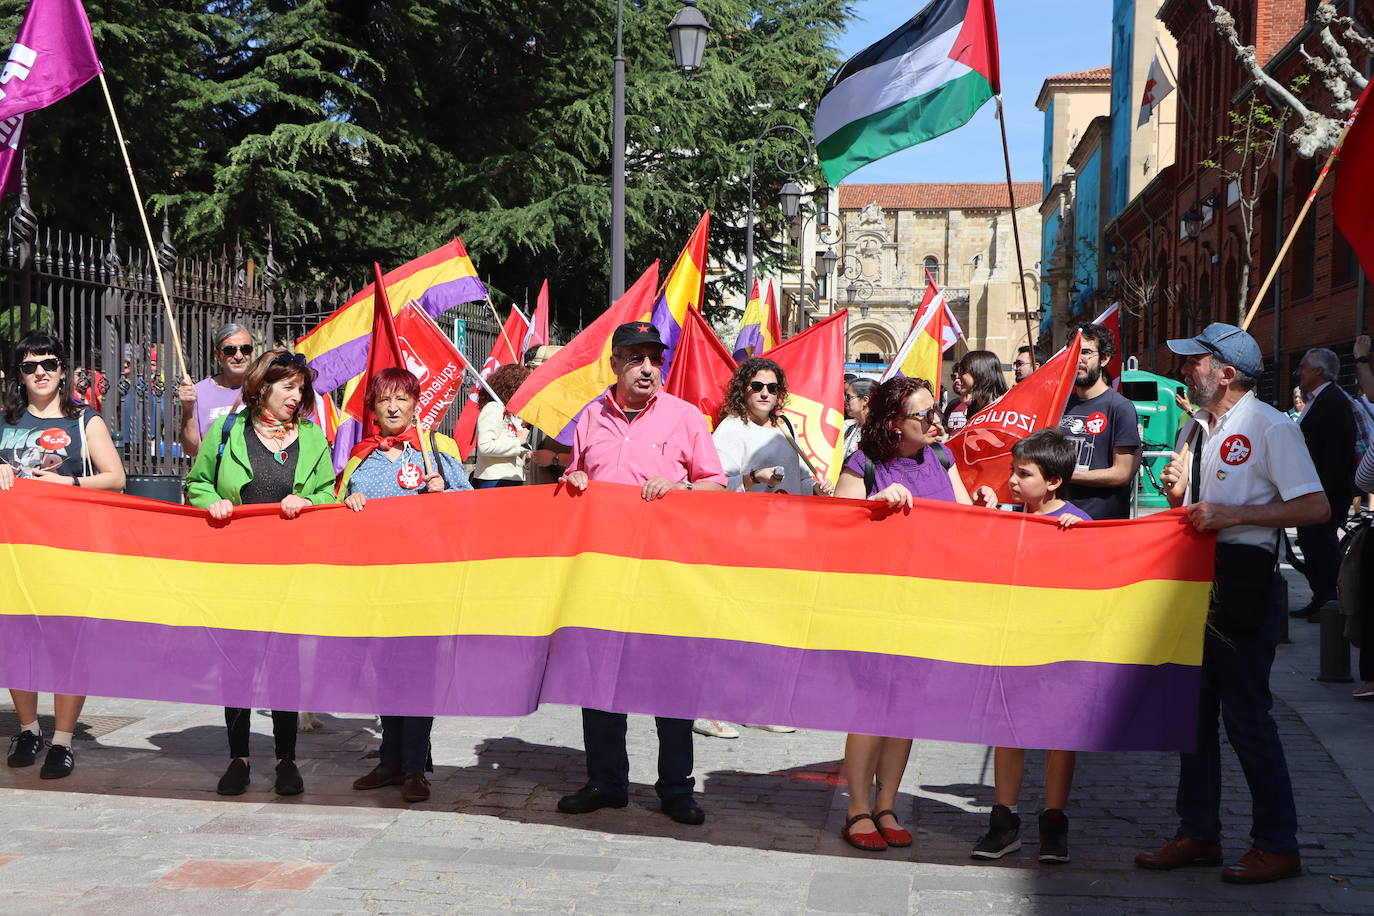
x=410, y=608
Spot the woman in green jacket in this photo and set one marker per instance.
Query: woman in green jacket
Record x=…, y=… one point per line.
x=268, y=453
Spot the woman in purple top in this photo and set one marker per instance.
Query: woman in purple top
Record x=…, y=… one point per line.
x=899, y=459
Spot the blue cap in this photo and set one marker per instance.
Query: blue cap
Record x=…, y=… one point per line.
x=1225, y=341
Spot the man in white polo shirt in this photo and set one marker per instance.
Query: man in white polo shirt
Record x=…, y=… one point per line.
x=1245, y=474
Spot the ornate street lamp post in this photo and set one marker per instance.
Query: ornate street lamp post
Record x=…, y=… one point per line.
x=786, y=161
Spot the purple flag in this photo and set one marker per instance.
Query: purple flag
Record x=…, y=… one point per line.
x=13, y=133
x=53, y=56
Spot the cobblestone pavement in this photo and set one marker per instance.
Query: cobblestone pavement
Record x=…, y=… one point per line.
x=138, y=829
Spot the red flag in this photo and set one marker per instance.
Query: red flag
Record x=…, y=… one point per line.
x=1351, y=200
x=1111, y=320
x=704, y=367
x=774, y=329
x=383, y=352
x=433, y=359
x=516, y=327
x=814, y=363
x=538, y=335
x=983, y=447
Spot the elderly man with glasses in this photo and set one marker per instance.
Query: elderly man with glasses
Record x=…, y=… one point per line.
x=637, y=434
x=210, y=398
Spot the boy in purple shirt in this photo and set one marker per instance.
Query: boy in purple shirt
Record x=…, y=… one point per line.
x=1041, y=463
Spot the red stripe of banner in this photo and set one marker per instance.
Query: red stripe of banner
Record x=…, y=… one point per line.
x=721, y=529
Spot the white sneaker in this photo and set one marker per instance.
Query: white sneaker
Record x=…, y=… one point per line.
x=1365, y=691
x=777, y=729
x=713, y=729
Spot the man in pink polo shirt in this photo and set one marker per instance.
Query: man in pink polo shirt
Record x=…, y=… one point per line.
x=638, y=434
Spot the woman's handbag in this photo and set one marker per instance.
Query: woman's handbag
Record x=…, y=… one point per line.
x=1353, y=586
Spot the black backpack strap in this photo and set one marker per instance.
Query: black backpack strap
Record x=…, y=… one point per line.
x=1195, y=475
x=870, y=476
x=438, y=462
x=229, y=420
x=943, y=455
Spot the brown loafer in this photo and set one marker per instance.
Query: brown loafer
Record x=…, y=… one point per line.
x=415, y=788
x=1258, y=866
x=1180, y=852
x=381, y=775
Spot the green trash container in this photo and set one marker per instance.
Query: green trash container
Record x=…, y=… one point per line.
x=1160, y=420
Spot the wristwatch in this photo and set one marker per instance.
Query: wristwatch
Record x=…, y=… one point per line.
x=1362, y=359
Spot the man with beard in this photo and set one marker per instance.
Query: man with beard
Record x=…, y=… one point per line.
x=640, y=435
x=1101, y=424
x=1245, y=474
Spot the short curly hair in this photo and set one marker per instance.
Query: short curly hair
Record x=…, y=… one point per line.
x=737, y=392
x=505, y=381
x=878, y=440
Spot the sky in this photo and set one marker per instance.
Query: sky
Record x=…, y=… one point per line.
x=1038, y=38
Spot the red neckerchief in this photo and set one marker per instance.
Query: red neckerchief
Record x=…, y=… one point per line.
x=386, y=443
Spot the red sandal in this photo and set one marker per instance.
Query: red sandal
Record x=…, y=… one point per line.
x=868, y=842
x=895, y=836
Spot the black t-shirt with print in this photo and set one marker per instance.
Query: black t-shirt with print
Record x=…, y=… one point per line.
x=1097, y=427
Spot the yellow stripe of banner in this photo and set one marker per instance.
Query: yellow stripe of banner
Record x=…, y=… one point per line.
x=893, y=615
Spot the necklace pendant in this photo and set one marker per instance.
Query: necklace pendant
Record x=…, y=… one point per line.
x=280, y=456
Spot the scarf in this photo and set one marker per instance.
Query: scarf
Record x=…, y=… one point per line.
x=271, y=427
x=371, y=444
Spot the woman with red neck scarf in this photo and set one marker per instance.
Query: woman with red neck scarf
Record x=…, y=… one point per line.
x=392, y=463
x=268, y=454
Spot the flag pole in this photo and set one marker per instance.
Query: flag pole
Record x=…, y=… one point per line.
x=1015, y=231
x=147, y=230
x=517, y=356
x=1297, y=223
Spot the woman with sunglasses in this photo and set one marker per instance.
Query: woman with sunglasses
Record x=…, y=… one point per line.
x=211, y=398
x=46, y=436
x=269, y=453
x=900, y=459
x=857, y=393
x=753, y=440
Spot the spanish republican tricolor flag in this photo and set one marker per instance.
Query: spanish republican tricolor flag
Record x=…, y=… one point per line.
x=557, y=392
x=438, y=281
x=684, y=288
x=758, y=328
x=933, y=331
x=858, y=619
x=925, y=79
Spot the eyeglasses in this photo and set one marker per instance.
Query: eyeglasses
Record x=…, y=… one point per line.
x=756, y=387
x=929, y=416
x=241, y=350
x=30, y=366
x=1087, y=351
x=655, y=359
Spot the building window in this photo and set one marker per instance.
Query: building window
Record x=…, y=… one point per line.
x=932, y=264
x=1345, y=268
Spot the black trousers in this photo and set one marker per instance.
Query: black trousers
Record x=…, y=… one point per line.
x=238, y=721
x=1367, y=647
x=1321, y=550
x=405, y=742
x=608, y=765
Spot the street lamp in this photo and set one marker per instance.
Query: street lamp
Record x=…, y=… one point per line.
x=786, y=162
x=859, y=289
x=1192, y=222
x=688, y=32
x=790, y=198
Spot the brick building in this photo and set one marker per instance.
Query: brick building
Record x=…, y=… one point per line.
x=1177, y=274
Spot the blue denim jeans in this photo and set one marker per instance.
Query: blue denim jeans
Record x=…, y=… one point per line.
x=1235, y=684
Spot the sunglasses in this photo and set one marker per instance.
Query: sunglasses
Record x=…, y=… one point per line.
x=241, y=350
x=929, y=416
x=290, y=359
x=756, y=387
x=30, y=366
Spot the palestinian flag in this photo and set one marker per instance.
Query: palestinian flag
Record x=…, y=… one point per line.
x=923, y=80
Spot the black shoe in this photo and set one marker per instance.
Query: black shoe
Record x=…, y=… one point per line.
x=588, y=799
x=684, y=809
x=1306, y=611
x=1054, y=836
x=24, y=748
x=1003, y=836
x=58, y=764
x=235, y=779
x=289, y=780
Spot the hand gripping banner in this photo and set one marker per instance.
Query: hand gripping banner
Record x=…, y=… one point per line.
x=840, y=615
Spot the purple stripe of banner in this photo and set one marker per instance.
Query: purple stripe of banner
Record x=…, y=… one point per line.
x=1087, y=706
x=750, y=335
x=341, y=363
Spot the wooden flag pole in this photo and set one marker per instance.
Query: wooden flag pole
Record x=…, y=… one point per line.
x=1297, y=223
x=1015, y=231
x=518, y=356
x=147, y=230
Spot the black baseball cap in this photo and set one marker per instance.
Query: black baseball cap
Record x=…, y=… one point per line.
x=634, y=333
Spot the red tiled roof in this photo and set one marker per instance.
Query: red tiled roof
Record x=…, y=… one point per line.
x=983, y=195
x=1104, y=74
